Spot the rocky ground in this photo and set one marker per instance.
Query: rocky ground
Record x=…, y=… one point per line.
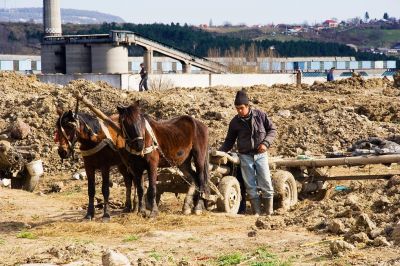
x=356, y=226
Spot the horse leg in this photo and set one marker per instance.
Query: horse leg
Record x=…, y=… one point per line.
x=138, y=182
x=189, y=202
x=200, y=162
x=90, y=172
x=105, y=189
x=152, y=191
x=128, y=186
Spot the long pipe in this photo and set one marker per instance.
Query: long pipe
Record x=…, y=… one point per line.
x=350, y=161
x=97, y=112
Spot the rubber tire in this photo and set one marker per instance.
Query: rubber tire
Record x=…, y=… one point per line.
x=229, y=187
x=285, y=189
x=30, y=183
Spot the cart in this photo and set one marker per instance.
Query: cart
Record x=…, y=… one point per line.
x=293, y=178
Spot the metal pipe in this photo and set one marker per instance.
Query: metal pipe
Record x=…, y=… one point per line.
x=349, y=161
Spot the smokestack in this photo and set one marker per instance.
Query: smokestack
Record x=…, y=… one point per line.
x=52, y=18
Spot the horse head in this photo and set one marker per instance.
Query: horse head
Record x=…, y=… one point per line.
x=67, y=133
x=133, y=126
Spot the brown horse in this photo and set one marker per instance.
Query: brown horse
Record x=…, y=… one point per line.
x=174, y=142
x=97, y=148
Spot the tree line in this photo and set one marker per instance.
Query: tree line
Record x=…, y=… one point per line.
x=187, y=38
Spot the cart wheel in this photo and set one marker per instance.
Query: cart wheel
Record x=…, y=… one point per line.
x=229, y=187
x=30, y=182
x=285, y=188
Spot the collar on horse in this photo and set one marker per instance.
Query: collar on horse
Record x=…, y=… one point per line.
x=71, y=143
x=105, y=142
x=145, y=150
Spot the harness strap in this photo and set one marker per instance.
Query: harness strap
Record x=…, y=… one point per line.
x=105, y=142
x=98, y=147
x=146, y=150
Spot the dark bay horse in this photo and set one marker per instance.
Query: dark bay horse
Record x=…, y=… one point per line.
x=97, y=148
x=174, y=142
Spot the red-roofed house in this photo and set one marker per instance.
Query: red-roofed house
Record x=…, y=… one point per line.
x=330, y=23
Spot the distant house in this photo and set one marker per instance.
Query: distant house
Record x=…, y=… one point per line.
x=295, y=30
x=330, y=23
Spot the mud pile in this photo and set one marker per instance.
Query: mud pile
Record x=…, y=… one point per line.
x=313, y=119
x=365, y=214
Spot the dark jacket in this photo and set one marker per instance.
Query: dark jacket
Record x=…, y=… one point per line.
x=143, y=73
x=329, y=76
x=248, y=138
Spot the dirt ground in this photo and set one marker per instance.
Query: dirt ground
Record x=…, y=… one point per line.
x=47, y=226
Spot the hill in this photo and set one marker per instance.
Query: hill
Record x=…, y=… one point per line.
x=35, y=15
x=18, y=38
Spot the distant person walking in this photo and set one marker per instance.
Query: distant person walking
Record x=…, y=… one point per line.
x=144, y=76
x=329, y=76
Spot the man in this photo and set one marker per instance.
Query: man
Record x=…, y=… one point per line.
x=254, y=133
x=143, y=81
x=329, y=77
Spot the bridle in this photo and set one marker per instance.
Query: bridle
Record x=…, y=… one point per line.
x=76, y=125
x=129, y=140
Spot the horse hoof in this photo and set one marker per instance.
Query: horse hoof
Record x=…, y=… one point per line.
x=187, y=212
x=106, y=219
x=126, y=210
x=198, y=212
x=153, y=214
x=88, y=217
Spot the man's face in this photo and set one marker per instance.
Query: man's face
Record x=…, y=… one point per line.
x=242, y=110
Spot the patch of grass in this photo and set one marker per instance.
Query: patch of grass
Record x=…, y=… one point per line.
x=230, y=259
x=35, y=217
x=2, y=241
x=155, y=255
x=265, y=258
x=26, y=234
x=131, y=238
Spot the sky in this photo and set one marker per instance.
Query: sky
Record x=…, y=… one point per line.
x=250, y=12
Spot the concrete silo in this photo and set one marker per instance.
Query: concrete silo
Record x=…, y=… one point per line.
x=52, y=18
x=108, y=58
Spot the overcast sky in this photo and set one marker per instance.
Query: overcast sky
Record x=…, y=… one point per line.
x=234, y=11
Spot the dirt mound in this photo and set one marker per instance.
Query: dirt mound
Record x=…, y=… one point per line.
x=312, y=119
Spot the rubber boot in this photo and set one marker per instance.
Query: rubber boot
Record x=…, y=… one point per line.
x=256, y=206
x=269, y=206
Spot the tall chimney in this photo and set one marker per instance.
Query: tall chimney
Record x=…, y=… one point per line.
x=52, y=18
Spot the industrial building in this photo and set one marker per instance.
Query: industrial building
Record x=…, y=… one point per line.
x=166, y=65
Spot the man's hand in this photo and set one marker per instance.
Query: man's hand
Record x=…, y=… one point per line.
x=262, y=148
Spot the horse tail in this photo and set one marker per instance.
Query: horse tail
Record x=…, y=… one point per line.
x=206, y=170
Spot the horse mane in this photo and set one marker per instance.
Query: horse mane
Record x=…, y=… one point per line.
x=91, y=121
x=132, y=112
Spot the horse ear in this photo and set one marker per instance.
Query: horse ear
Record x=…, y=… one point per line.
x=121, y=109
x=70, y=114
x=60, y=111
